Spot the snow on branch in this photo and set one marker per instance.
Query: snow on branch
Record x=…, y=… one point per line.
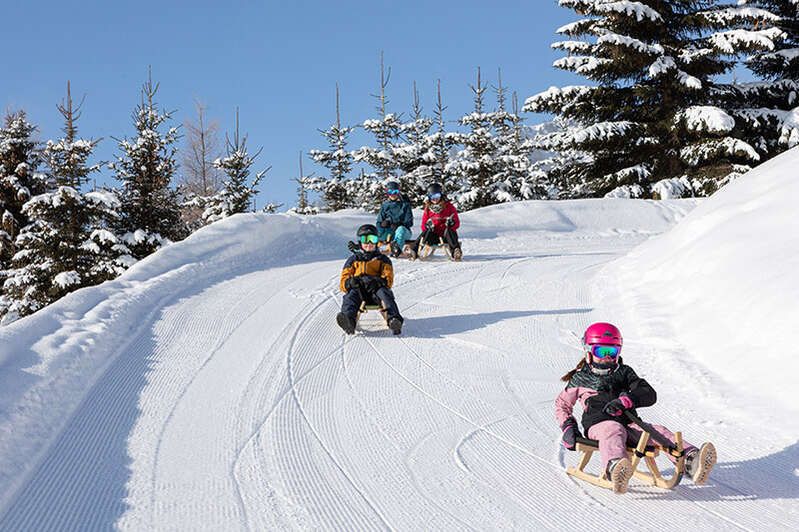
x=637, y=9
x=572, y=46
x=556, y=97
x=640, y=172
x=688, y=55
x=697, y=153
x=760, y=89
x=629, y=42
x=688, y=80
x=661, y=65
x=581, y=64
x=738, y=15
x=735, y=41
x=578, y=27
x=602, y=131
x=705, y=118
x=603, y=7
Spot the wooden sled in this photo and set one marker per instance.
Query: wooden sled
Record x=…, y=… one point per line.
x=407, y=252
x=641, y=452
x=367, y=307
x=428, y=249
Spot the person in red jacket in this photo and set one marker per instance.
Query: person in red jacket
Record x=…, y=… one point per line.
x=440, y=222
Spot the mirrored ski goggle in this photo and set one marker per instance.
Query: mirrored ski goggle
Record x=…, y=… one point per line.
x=434, y=196
x=605, y=351
x=393, y=192
x=369, y=239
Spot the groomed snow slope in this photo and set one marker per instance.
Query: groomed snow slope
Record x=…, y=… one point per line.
x=209, y=388
x=727, y=277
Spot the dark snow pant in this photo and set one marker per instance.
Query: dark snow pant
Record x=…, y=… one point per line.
x=450, y=238
x=352, y=302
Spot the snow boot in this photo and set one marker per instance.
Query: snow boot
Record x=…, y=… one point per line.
x=395, y=324
x=700, y=462
x=457, y=254
x=346, y=323
x=396, y=251
x=619, y=472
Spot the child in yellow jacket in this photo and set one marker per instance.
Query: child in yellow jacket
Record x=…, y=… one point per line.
x=367, y=276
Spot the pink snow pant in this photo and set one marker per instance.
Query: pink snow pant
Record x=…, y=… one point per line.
x=613, y=438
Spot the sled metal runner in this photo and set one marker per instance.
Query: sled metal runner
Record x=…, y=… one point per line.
x=643, y=451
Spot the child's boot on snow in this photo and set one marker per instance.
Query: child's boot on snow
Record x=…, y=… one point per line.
x=395, y=324
x=457, y=254
x=346, y=323
x=619, y=472
x=396, y=251
x=699, y=463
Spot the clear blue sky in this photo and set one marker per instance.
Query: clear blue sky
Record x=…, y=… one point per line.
x=277, y=61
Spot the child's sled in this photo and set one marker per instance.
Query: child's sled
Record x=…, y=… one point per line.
x=427, y=250
x=645, y=450
x=408, y=251
x=367, y=304
x=366, y=307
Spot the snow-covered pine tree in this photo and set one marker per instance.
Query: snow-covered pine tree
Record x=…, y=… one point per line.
x=20, y=180
x=416, y=155
x=442, y=143
x=338, y=162
x=387, y=131
x=304, y=184
x=766, y=112
x=514, y=178
x=476, y=163
x=238, y=191
x=550, y=167
x=67, y=243
x=650, y=115
x=146, y=167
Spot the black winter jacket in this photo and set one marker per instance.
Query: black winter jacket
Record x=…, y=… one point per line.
x=608, y=387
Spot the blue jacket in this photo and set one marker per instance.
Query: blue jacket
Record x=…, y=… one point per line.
x=399, y=212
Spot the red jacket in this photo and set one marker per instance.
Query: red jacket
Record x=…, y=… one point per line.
x=440, y=218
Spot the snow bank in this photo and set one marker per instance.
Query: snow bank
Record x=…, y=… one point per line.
x=725, y=283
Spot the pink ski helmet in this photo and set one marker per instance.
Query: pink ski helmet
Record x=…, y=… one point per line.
x=602, y=333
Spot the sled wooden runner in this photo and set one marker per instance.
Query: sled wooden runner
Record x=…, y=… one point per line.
x=641, y=451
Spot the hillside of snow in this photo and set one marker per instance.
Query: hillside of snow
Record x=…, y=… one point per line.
x=209, y=388
x=727, y=279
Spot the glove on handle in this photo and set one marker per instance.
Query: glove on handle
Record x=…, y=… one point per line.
x=570, y=433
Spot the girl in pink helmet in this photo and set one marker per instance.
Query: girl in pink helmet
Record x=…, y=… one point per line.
x=606, y=387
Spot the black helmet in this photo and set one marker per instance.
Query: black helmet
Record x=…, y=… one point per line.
x=393, y=185
x=367, y=229
x=434, y=188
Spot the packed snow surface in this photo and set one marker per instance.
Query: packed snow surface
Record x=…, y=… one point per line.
x=209, y=387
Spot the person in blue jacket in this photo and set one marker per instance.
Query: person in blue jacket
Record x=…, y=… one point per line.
x=395, y=219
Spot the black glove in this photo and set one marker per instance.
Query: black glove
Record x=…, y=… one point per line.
x=570, y=433
x=352, y=283
x=429, y=225
x=450, y=222
x=385, y=223
x=373, y=284
x=617, y=406
x=353, y=246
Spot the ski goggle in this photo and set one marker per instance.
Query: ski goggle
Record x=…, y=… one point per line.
x=368, y=239
x=605, y=351
x=393, y=192
x=435, y=196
